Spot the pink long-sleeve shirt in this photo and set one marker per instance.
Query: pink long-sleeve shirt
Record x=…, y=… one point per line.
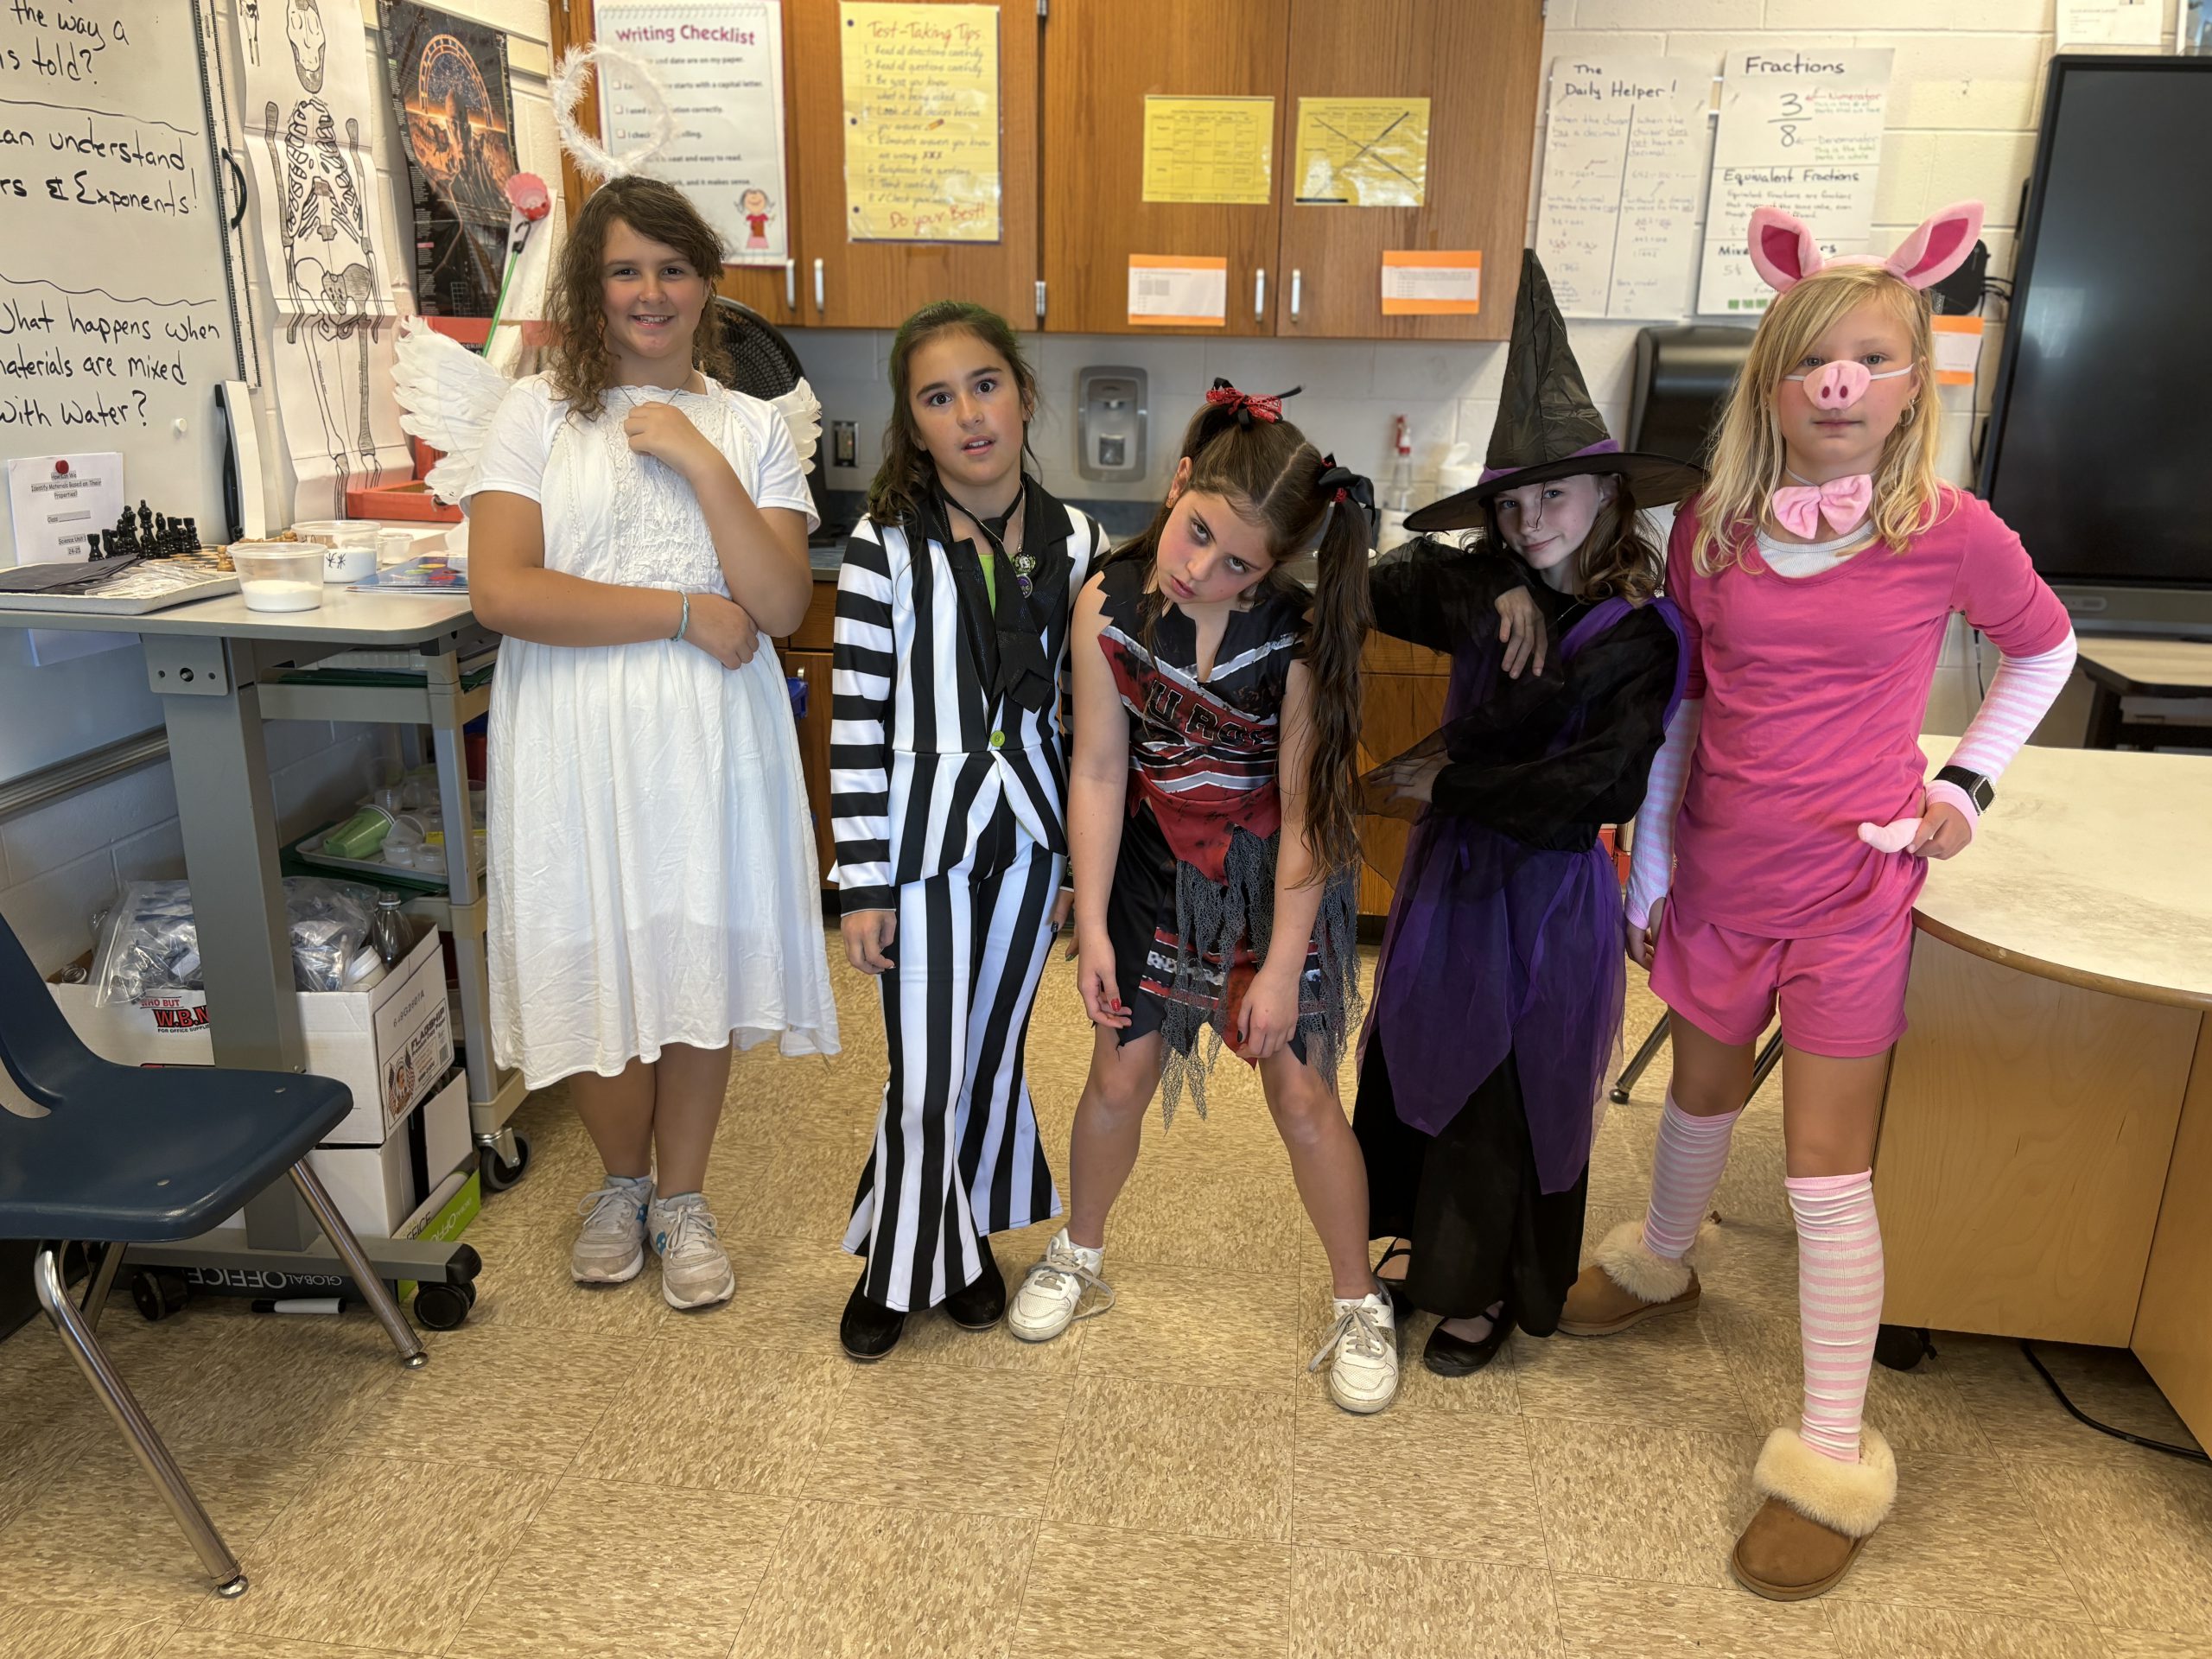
x=1814, y=691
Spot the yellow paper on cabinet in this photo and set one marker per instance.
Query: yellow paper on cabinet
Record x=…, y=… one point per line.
x=1209, y=149
x=921, y=122
x=1363, y=152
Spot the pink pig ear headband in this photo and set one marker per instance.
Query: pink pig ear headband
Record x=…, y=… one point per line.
x=1784, y=254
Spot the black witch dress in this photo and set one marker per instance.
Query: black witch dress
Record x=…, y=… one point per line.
x=1498, y=995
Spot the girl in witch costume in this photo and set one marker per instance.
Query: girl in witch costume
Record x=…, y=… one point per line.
x=1789, y=823
x=1214, y=821
x=948, y=776
x=1499, y=992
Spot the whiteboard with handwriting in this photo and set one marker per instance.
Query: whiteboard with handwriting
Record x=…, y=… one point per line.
x=116, y=314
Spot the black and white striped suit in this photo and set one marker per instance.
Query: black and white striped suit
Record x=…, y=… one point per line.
x=949, y=807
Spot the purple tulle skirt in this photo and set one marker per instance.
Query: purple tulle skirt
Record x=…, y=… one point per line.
x=1495, y=947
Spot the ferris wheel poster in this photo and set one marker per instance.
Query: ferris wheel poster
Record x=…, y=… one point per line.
x=450, y=97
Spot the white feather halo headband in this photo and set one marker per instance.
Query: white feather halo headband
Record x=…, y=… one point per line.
x=591, y=158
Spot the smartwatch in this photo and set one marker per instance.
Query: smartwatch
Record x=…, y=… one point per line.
x=1978, y=789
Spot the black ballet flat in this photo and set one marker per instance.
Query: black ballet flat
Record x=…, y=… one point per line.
x=869, y=1330
x=979, y=1306
x=1450, y=1356
x=1401, y=1305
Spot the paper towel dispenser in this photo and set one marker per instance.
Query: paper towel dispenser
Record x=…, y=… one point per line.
x=1683, y=375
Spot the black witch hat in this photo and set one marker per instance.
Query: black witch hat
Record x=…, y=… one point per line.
x=1547, y=425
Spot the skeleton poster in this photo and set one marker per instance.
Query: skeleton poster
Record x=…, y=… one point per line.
x=319, y=203
x=450, y=99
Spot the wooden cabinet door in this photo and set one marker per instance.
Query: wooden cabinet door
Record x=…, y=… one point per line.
x=1402, y=696
x=771, y=290
x=1102, y=59
x=813, y=667
x=1479, y=63
x=843, y=283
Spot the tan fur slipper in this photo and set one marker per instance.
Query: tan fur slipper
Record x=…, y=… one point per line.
x=1817, y=1517
x=1625, y=1286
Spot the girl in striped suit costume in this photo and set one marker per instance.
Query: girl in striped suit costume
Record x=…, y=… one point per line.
x=948, y=789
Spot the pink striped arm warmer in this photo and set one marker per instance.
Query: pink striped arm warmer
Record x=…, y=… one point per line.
x=1652, y=854
x=2020, y=695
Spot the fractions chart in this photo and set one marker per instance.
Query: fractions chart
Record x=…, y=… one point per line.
x=1799, y=129
x=1623, y=151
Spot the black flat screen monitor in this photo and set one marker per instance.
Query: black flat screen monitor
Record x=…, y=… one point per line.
x=2101, y=431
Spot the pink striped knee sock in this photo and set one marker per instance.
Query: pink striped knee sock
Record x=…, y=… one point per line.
x=1685, y=1173
x=1839, y=1303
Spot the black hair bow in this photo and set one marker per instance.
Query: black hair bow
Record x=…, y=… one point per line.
x=1342, y=484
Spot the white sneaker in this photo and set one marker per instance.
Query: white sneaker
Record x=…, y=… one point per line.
x=1365, y=1341
x=611, y=1248
x=695, y=1271
x=1053, y=1290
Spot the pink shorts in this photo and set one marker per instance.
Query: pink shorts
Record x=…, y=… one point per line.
x=1842, y=994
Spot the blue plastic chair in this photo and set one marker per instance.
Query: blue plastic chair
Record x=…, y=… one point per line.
x=119, y=1155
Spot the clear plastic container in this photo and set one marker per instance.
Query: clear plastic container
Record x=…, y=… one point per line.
x=351, y=555
x=388, y=929
x=279, y=576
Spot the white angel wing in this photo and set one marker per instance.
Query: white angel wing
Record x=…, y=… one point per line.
x=447, y=394
x=802, y=412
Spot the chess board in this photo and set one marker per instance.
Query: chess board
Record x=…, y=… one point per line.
x=148, y=585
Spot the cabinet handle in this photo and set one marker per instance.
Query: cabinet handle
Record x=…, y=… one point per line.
x=1297, y=280
x=791, y=285
x=818, y=285
x=1259, y=295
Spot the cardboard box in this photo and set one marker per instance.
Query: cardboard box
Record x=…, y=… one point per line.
x=379, y=1189
x=384, y=1191
x=390, y=1044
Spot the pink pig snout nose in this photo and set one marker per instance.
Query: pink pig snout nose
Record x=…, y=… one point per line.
x=1838, y=385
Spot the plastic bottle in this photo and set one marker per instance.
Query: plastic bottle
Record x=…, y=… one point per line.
x=388, y=931
x=1398, y=493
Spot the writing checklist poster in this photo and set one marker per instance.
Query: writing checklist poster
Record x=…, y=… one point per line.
x=1801, y=129
x=721, y=69
x=1623, y=169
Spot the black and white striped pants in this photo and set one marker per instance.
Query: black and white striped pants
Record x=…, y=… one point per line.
x=957, y=1154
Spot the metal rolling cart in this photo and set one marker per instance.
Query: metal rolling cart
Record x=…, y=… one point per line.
x=217, y=668
x=443, y=705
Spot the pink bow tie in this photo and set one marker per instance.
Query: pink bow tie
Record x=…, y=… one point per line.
x=1842, y=501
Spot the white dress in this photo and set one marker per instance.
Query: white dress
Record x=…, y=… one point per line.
x=652, y=867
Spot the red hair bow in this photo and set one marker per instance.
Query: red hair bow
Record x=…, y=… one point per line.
x=1247, y=407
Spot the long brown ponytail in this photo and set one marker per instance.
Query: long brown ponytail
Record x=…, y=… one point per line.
x=1275, y=479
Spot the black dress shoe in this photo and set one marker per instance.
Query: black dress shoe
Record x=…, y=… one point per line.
x=869, y=1330
x=1450, y=1356
x=980, y=1305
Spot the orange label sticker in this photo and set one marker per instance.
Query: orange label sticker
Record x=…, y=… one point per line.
x=1958, y=349
x=1179, y=291
x=1435, y=284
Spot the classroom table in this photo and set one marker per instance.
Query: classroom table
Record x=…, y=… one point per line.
x=2045, y=1152
x=216, y=666
x=2117, y=667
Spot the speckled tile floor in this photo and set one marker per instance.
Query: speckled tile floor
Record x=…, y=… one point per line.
x=588, y=1473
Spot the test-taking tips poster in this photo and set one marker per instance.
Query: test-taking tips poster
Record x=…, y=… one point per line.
x=720, y=67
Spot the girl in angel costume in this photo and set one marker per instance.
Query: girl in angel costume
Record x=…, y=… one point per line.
x=638, y=530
